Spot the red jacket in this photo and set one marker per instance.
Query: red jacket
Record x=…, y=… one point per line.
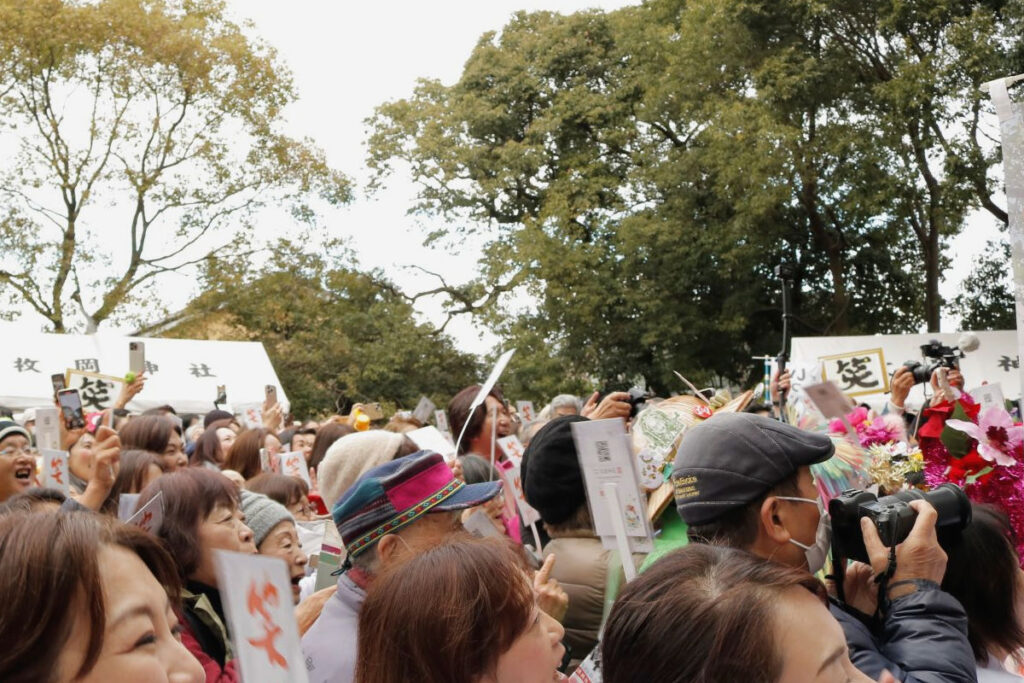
x=213, y=670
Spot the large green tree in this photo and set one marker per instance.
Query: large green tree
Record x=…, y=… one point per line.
x=640, y=172
x=139, y=137
x=336, y=335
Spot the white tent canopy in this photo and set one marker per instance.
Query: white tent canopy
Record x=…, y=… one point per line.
x=184, y=373
x=995, y=360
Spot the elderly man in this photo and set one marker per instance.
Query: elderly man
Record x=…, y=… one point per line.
x=392, y=512
x=745, y=481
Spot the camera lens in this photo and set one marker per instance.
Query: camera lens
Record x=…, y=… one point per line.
x=950, y=502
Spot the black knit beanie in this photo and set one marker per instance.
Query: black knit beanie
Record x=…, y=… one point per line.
x=551, y=476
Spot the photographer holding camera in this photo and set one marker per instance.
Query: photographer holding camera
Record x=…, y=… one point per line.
x=744, y=481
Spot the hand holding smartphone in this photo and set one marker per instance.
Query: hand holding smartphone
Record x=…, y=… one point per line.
x=71, y=409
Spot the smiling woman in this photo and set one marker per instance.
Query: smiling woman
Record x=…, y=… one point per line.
x=17, y=461
x=121, y=595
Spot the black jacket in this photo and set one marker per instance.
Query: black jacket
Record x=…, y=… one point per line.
x=923, y=640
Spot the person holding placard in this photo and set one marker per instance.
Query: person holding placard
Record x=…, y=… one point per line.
x=110, y=619
x=478, y=424
x=392, y=513
x=744, y=481
x=201, y=515
x=591, y=574
x=274, y=533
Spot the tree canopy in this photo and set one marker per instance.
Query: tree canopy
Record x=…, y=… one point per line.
x=336, y=335
x=640, y=172
x=140, y=136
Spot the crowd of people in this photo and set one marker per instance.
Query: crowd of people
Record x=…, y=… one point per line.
x=747, y=594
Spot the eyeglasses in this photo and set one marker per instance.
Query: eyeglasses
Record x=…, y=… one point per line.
x=11, y=451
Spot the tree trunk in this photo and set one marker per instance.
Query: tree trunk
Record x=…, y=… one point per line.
x=932, y=299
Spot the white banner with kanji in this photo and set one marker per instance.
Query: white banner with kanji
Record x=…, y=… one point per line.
x=184, y=373
x=855, y=363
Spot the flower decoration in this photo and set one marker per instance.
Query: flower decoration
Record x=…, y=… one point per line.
x=870, y=430
x=999, y=439
x=894, y=464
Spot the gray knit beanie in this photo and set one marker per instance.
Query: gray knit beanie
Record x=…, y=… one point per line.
x=262, y=514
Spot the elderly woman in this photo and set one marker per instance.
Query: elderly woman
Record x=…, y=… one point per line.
x=202, y=515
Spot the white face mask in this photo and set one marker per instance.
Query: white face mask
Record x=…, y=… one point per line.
x=817, y=552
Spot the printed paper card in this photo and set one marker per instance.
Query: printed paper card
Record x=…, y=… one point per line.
x=294, y=465
x=431, y=439
x=606, y=457
x=257, y=595
x=332, y=554
x=989, y=396
x=512, y=447
x=513, y=483
x=55, y=470
x=47, y=428
x=151, y=515
x=126, y=503
x=423, y=410
x=98, y=392
x=526, y=411
x=441, y=418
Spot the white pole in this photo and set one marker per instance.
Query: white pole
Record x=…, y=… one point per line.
x=1011, y=128
x=611, y=499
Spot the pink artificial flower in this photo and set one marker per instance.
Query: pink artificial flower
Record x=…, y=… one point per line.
x=856, y=418
x=999, y=439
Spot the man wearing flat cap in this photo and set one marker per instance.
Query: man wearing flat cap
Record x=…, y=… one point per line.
x=389, y=514
x=745, y=481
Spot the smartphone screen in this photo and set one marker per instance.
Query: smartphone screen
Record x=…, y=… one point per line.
x=136, y=357
x=71, y=408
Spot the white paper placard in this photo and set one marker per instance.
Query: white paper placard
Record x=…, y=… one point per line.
x=492, y=379
x=311, y=536
x=126, y=503
x=441, y=418
x=98, y=392
x=257, y=595
x=606, y=457
x=429, y=438
x=526, y=411
x=47, y=429
x=857, y=373
x=423, y=410
x=512, y=478
x=294, y=465
x=512, y=447
x=151, y=515
x=55, y=470
x=989, y=396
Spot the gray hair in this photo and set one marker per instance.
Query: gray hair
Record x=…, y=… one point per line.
x=566, y=401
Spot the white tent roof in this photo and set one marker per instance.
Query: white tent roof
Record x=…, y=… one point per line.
x=184, y=373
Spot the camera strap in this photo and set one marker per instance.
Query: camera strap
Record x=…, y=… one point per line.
x=882, y=607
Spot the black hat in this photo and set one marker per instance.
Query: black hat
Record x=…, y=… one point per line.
x=551, y=476
x=732, y=459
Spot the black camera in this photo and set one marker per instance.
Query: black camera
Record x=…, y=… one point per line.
x=937, y=355
x=637, y=397
x=893, y=517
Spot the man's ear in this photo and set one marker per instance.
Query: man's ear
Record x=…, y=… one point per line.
x=388, y=548
x=771, y=522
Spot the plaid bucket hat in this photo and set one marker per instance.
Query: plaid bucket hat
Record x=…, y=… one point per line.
x=397, y=493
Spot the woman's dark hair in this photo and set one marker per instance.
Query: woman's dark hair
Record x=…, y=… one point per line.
x=148, y=433
x=982, y=573
x=189, y=495
x=208, y=446
x=130, y=476
x=445, y=615
x=244, y=456
x=325, y=437
x=49, y=570
x=458, y=414
x=284, y=489
x=712, y=607
x=476, y=469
